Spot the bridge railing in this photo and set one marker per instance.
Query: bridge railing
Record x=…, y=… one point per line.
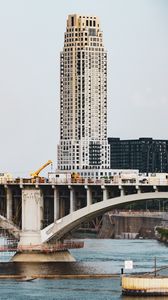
x=119, y=181
x=86, y=181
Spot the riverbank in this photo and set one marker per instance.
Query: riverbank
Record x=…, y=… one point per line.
x=56, y=276
x=161, y=234
x=131, y=224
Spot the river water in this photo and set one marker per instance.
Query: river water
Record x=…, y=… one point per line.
x=97, y=257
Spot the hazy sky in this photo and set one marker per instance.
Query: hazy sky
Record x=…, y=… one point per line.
x=31, y=38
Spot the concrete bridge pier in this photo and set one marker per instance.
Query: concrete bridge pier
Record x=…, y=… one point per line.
x=56, y=204
x=30, y=246
x=32, y=217
x=138, y=189
x=122, y=193
x=8, y=204
x=72, y=200
x=105, y=193
x=88, y=195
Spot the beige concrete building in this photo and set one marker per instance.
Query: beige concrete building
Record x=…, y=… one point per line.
x=83, y=96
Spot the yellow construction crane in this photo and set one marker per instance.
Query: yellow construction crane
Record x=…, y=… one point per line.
x=36, y=173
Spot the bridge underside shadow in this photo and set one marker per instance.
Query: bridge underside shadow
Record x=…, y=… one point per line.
x=63, y=226
x=9, y=227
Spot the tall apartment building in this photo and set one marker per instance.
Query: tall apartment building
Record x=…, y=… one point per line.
x=83, y=96
x=144, y=154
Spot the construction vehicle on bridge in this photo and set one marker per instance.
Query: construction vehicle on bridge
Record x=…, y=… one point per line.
x=36, y=175
x=75, y=177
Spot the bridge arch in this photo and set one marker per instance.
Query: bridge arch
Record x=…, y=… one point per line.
x=64, y=225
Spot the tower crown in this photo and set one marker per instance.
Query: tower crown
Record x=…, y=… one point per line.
x=82, y=21
x=82, y=31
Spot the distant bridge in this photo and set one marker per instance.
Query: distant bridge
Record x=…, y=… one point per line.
x=53, y=209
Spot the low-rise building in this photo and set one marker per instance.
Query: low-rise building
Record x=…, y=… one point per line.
x=145, y=154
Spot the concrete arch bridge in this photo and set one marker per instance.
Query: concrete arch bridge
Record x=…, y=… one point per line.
x=63, y=226
x=51, y=210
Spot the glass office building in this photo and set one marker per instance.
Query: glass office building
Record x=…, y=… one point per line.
x=144, y=154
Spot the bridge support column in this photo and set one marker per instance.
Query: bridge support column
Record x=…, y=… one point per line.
x=56, y=204
x=121, y=191
x=138, y=189
x=155, y=188
x=32, y=216
x=88, y=195
x=8, y=204
x=105, y=194
x=72, y=200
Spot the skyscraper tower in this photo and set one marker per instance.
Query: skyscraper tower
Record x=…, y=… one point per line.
x=83, y=96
